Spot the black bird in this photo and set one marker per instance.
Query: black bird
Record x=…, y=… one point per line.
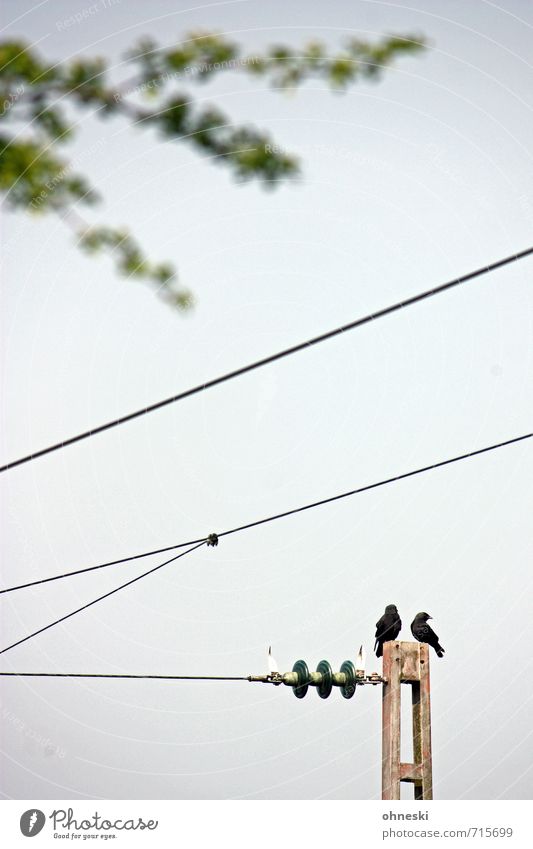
x=424, y=633
x=388, y=628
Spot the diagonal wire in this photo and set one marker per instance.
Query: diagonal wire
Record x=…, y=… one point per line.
x=384, y=482
x=313, y=504
x=429, y=293
x=101, y=597
x=103, y=565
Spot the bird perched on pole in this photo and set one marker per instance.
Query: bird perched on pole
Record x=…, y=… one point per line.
x=387, y=628
x=424, y=633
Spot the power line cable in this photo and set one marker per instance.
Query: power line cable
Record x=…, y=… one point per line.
x=378, y=484
x=100, y=598
x=270, y=359
x=103, y=565
x=273, y=518
x=153, y=677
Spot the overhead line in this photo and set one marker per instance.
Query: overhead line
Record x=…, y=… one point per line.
x=286, y=513
x=100, y=598
x=120, y=675
x=378, y=484
x=103, y=565
x=429, y=293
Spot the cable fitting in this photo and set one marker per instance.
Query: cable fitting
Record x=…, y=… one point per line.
x=212, y=539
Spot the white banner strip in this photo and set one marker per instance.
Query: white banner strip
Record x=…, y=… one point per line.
x=266, y=824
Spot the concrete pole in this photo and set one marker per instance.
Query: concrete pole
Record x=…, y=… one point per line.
x=406, y=663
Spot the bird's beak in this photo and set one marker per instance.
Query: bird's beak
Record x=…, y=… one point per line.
x=430, y=617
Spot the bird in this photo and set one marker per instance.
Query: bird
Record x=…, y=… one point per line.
x=387, y=628
x=424, y=633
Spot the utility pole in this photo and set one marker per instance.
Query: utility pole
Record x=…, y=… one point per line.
x=406, y=663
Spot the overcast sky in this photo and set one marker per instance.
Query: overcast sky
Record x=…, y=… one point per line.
x=406, y=184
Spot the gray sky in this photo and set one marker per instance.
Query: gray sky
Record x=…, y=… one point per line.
x=406, y=184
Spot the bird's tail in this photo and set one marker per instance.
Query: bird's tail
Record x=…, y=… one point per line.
x=378, y=648
x=439, y=650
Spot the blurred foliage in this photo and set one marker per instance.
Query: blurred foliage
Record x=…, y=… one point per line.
x=34, y=105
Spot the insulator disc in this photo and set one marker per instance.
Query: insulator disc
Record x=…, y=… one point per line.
x=325, y=687
x=349, y=688
x=302, y=670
